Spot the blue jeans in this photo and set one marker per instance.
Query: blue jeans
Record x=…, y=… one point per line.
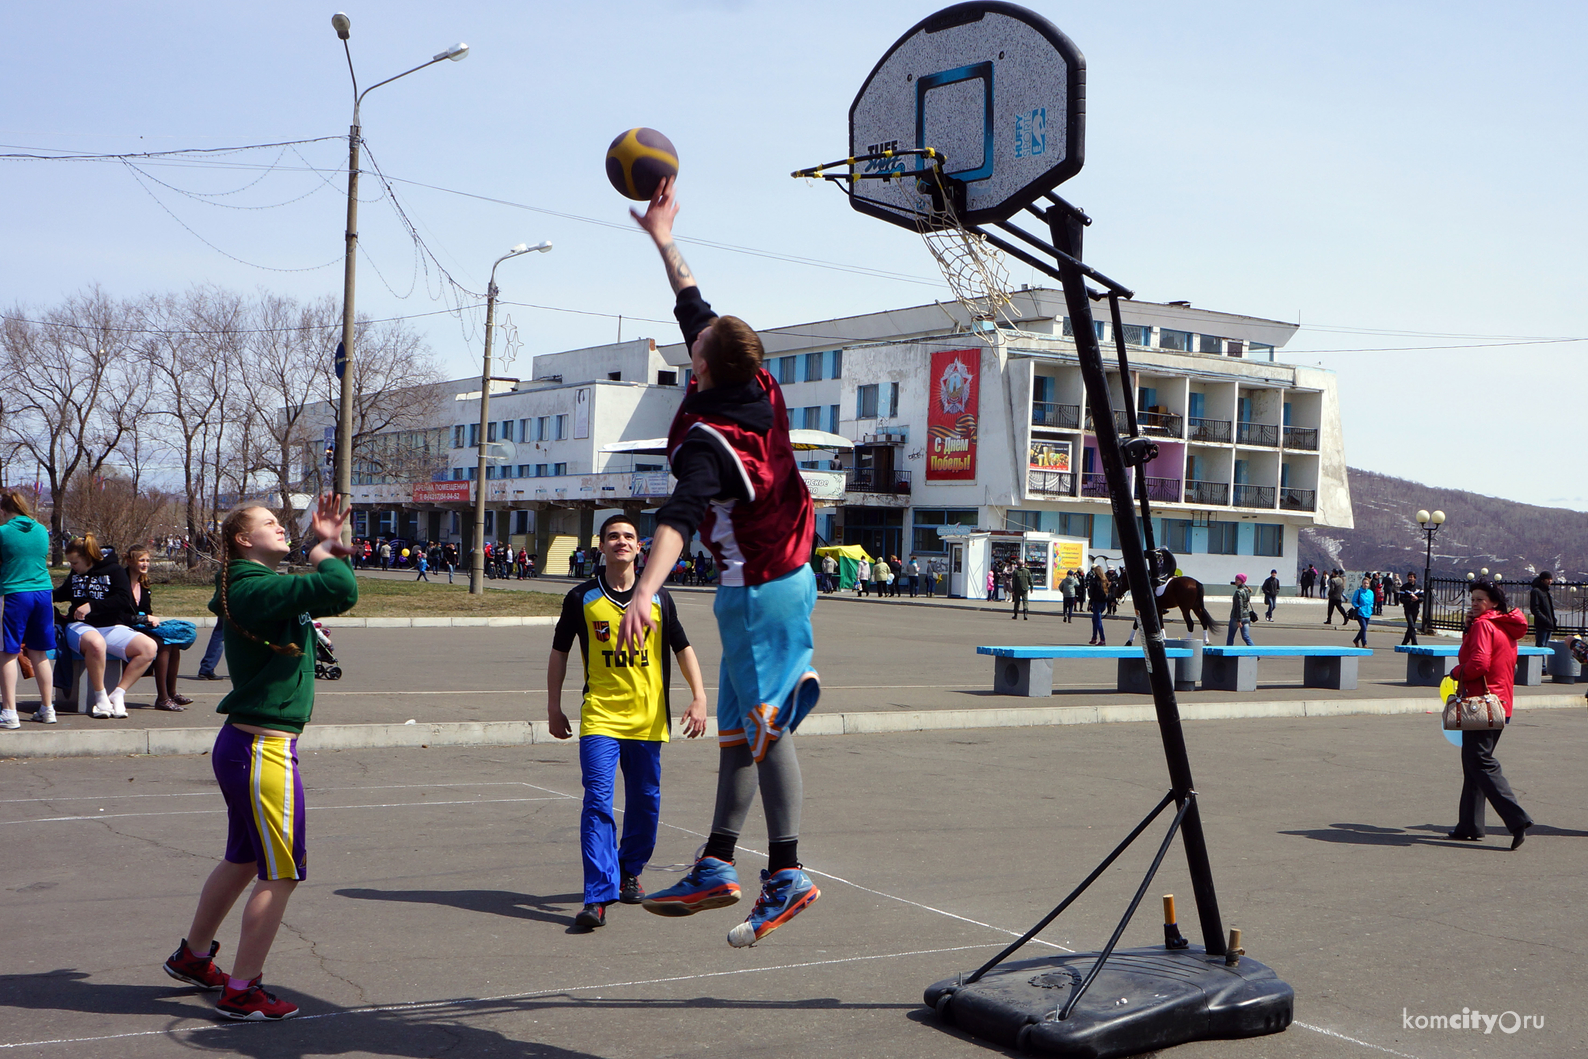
x=1097, y=621
x=599, y=759
x=1361, y=634
x=1244, y=627
x=212, y=653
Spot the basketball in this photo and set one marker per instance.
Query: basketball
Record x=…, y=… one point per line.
x=638, y=161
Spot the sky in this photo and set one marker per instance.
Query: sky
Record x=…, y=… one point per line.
x=1405, y=180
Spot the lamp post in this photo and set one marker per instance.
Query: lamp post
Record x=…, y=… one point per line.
x=1430, y=524
x=477, y=559
x=344, y=363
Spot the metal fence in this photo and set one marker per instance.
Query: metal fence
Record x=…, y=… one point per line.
x=1447, y=600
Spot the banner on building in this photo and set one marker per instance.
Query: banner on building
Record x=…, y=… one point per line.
x=442, y=492
x=581, y=412
x=1068, y=555
x=951, y=415
x=1050, y=456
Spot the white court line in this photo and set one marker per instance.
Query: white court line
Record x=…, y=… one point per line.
x=426, y=1005
x=310, y=790
x=317, y=809
x=1353, y=1040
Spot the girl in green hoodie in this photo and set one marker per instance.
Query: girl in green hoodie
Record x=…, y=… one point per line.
x=270, y=654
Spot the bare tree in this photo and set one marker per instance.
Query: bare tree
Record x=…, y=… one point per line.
x=287, y=353
x=72, y=375
x=396, y=389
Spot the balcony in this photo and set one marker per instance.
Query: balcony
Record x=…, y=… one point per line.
x=1161, y=424
x=1094, y=484
x=1207, y=492
x=1210, y=430
x=1050, y=483
x=1254, y=496
x=869, y=481
x=1256, y=434
x=1120, y=423
x=1298, y=499
x=1166, y=490
x=1301, y=438
x=1061, y=416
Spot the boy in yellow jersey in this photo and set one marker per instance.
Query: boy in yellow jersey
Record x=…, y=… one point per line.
x=624, y=719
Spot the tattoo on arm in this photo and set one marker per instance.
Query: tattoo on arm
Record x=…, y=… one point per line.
x=678, y=273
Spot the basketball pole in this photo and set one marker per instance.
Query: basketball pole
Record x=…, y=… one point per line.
x=1066, y=227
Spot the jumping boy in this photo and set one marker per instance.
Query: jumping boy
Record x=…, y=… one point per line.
x=624, y=718
x=739, y=485
x=270, y=655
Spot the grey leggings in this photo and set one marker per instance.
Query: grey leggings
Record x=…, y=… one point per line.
x=782, y=790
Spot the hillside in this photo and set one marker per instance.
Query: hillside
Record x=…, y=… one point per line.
x=1517, y=540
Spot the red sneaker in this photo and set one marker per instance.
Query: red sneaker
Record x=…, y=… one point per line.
x=254, y=1004
x=185, y=965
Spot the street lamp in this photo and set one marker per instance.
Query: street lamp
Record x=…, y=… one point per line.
x=1430, y=524
x=477, y=560
x=344, y=364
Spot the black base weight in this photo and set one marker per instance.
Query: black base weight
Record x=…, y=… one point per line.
x=1143, y=1000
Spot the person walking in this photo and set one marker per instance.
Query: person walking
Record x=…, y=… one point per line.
x=1020, y=590
x=29, y=619
x=1067, y=589
x=623, y=720
x=1542, y=606
x=422, y=564
x=255, y=757
x=1271, y=594
x=862, y=575
x=1362, y=604
x=829, y=573
x=1309, y=578
x=1378, y=593
x=912, y=571
x=879, y=576
x=385, y=555
x=1411, y=599
x=1336, y=590
x=934, y=568
x=1240, y=613
x=1096, y=588
x=1487, y=665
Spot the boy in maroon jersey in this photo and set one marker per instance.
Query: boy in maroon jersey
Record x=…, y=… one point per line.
x=739, y=485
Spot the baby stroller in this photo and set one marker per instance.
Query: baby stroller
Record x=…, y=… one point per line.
x=325, y=664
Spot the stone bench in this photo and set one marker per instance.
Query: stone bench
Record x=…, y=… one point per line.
x=1428, y=664
x=1029, y=670
x=1235, y=668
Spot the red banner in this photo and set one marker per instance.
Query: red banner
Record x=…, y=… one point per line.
x=442, y=492
x=951, y=415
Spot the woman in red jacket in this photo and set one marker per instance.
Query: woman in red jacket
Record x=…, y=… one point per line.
x=1487, y=663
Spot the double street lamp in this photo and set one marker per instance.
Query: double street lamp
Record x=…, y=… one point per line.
x=477, y=559
x=1430, y=524
x=344, y=366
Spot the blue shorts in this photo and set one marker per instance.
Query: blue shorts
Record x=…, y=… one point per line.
x=767, y=684
x=29, y=622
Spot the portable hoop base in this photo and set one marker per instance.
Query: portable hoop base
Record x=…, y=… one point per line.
x=1143, y=1000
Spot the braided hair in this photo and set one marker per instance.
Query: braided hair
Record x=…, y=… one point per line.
x=239, y=521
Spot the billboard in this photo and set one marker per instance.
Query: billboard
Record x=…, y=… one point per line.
x=951, y=415
x=442, y=492
x=1050, y=456
x=1067, y=555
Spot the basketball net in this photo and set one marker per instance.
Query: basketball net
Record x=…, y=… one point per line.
x=974, y=269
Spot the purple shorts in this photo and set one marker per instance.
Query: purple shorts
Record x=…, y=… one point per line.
x=265, y=810
x=29, y=622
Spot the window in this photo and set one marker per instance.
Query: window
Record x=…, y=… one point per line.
x=474, y=435
x=1070, y=524
x=785, y=369
x=1027, y=521
x=1177, y=535
x=562, y=427
x=559, y=469
x=893, y=400
x=1069, y=331
x=490, y=432
x=925, y=537
x=526, y=470
x=1270, y=539
x=813, y=367
x=1260, y=351
x=457, y=474
x=689, y=373
x=866, y=401
x=526, y=430
x=1146, y=398
x=667, y=378
x=1199, y=403
x=521, y=522
x=473, y=473
x=507, y=430
x=1234, y=347
x=361, y=523
x=541, y=470
x=1210, y=344
x=543, y=428
x=1222, y=537
x=832, y=419
x=615, y=376
x=1137, y=334
x=490, y=521
x=1042, y=389
x=812, y=417
x=1179, y=341
x=458, y=434
x=650, y=466
x=838, y=364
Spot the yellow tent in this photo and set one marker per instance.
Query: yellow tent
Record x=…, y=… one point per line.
x=848, y=556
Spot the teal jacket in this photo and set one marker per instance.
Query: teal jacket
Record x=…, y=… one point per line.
x=24, y=556
x=270, y=689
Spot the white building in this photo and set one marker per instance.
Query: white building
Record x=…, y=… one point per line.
x=955, y=429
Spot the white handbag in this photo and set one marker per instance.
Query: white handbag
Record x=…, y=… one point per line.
x=1475, y=713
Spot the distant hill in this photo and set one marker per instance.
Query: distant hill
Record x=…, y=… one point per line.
x=1517, y=540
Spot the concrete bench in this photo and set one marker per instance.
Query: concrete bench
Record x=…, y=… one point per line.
x=1428, y=664
x=1029, y=670
x=1235, y=668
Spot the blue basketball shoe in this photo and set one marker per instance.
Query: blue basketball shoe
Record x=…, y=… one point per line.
x=784, y=895
x=711, y=883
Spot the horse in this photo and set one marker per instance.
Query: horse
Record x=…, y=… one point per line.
x=1183, y=592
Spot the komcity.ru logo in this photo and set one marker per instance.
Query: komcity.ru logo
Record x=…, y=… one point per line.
x=1468, y=1019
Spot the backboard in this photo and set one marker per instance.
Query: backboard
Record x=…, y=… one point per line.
x=995, y=88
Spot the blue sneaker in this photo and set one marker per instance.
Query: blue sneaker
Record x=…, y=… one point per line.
x=711, y=883
x=784, y=895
